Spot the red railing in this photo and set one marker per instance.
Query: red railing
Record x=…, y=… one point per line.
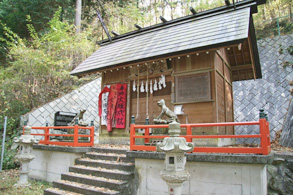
x=74, y=143
x=264, y=136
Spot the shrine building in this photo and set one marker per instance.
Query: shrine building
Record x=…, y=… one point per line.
x=190, y=62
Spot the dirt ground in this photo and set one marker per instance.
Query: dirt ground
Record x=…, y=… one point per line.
x=10, y=177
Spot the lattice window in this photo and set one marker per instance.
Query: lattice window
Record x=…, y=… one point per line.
x=180, y=162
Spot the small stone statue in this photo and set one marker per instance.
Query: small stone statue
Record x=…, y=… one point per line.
x=81, y=122
x=165, y=111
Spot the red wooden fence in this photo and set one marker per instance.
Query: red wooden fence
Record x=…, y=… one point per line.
x=74, y=143
x=264, y=136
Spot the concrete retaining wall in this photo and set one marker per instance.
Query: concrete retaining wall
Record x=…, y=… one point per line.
x=209, y=174
x=205, y=178
x=51, y=161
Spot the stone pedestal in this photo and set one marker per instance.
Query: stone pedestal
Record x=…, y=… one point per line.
x=24, y=170
x=25, y=155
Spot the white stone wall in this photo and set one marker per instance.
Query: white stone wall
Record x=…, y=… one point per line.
x=86, y=97
x=205, y=178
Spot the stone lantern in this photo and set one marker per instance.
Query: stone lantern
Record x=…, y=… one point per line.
x=174, y=146
x=25, y=155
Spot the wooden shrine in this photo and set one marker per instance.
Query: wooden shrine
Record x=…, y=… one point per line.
x=189, y=62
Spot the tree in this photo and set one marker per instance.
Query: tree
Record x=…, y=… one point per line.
x=13, y=14
x=78, y=15
x=38, y=67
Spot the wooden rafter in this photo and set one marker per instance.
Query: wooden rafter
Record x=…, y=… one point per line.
x=251, y=56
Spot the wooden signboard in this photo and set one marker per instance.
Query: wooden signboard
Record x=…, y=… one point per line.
x=193, y=88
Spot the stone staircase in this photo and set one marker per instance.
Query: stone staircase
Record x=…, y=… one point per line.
x=102, y=171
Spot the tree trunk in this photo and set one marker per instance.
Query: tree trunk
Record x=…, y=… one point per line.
x=77, y=15
x=290, y=11
x=264, y=13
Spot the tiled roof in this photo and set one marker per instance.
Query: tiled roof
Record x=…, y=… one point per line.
x=213, y=30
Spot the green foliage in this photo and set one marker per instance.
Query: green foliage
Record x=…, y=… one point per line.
x=273, y=18
x=38, y=68
x=290, y=50
x=9, y=161
x=14, y=12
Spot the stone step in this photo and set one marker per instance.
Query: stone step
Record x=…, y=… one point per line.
x=124, y=166
x=108, y=156
x=57, y=191
x=109, y=150
x=102, y=172
x=83, y=188
x=95, y=181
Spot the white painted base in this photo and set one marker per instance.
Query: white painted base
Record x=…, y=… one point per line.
x=205, y=178
x=49, y=165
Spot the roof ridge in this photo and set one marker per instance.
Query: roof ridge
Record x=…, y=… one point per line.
x=181, y=20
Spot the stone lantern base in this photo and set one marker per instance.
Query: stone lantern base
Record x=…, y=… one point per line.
x=174, y=180
x=23, y=175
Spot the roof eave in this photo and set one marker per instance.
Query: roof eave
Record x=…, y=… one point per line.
x=204, y=48
x=255, y=49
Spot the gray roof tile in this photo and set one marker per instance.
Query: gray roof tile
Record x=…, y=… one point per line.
x=178, y=37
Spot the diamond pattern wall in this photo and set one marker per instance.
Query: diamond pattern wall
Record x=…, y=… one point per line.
x=86, y=97
x=271, y=92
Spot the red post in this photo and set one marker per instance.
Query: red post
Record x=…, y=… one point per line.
x=188, y=132
x=46, y=137
x=132, y=134
x=147, y=133
x=264, y=136
x=75, y=137
x=268, y=136
x=92, y=138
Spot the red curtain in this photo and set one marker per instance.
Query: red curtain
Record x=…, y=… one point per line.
x=120, y=113
x=111, y=106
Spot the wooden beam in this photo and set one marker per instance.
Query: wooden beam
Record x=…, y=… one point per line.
x=251, y=56
x=241, y=67
x=104, y=26
x=243, y=58
x=234, y=54
x=224, y=78
x=227, y=64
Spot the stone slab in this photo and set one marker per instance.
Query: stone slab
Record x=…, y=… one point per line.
x=62, y=148
x=202, y=157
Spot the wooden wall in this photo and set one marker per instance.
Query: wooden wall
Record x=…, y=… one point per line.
x=224, y=93
x=217, y=108
x=202, y=111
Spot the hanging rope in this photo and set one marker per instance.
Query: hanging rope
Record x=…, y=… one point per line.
x=147, y=91
x=137, y=96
